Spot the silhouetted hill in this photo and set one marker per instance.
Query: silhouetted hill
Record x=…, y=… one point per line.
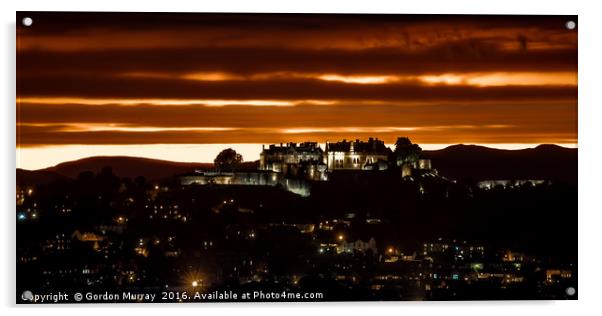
x=483, y=163
x=36, y=177
x=131, y=167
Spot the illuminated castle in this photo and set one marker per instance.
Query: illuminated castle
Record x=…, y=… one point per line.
x=304, y=159
x=357, y=155
x=293, y=166
x=307, y=160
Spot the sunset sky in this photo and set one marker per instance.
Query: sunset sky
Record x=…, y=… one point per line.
x=184, y=86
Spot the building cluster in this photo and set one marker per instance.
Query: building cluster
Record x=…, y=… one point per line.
x=292, y=166
x=308, y=160
x=177, y=238
x=304, y=159
x=437, y=269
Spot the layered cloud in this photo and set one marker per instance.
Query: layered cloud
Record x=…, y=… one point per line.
x=113, y=78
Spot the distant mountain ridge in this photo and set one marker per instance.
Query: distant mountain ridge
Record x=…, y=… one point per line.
x=456, y=162
x=125, y=166
x=483, y=163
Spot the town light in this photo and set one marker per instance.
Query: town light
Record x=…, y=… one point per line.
x=341, y=237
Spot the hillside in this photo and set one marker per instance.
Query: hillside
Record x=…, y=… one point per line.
x=128, y=167
x=483, y=163
x=37, y=177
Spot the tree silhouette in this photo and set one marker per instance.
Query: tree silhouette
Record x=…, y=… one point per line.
x=405, y=151
x=228, y=160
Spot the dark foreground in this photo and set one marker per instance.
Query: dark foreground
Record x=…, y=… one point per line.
x=360, y=236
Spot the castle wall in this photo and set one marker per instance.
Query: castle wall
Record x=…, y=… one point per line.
x=297, y=186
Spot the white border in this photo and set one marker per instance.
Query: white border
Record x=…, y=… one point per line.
x=590, y=103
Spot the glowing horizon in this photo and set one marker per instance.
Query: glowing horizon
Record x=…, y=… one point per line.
x=205, y=153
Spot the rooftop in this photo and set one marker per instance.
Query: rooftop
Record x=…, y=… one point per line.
x=373, y=145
